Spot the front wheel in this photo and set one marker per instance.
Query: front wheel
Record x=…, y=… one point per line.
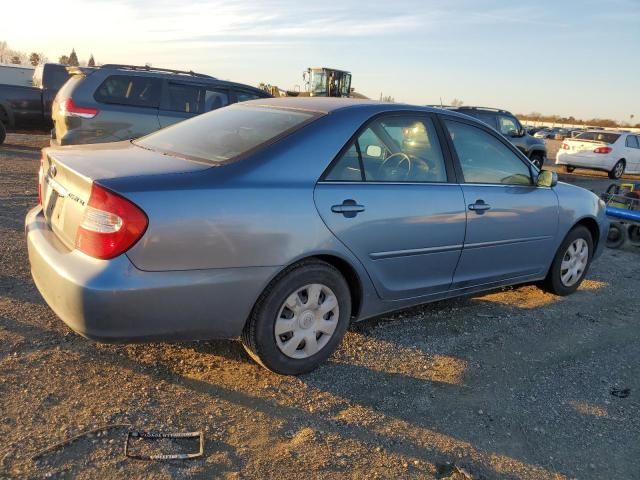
x=569, y=169
x=617, y=171
x=3, y=133
x=571, y=262
x=300, y=319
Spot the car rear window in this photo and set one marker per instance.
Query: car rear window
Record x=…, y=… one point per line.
x=225, y=134
x=130, y=90
x=599, y=137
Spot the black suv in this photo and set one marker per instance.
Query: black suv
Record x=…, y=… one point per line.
x=119, y=102
x=507, y=124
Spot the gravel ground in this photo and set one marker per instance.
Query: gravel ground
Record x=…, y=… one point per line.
x=512, y=384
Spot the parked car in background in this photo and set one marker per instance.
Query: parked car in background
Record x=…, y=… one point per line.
x=507, y=124
x=120, y=102
x=614, y=152
x=29, y=108
x=533, y=130
x=555, y=133
x=283, y=220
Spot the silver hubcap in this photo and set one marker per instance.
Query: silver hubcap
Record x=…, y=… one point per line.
x=619, y=169
x=574, y=262
x=306, y=321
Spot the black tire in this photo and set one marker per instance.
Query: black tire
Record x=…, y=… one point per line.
x=3, y=133
x=569, y=169
x=617, y=235
x=553, y=282
x=259, y=337
x=633, y=232
x=537, y=159
x=617, y=171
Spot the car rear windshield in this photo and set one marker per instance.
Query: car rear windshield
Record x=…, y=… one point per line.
x=599, y=137
x=225, y=134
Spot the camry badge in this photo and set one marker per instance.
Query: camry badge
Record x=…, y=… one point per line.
x=53, y=171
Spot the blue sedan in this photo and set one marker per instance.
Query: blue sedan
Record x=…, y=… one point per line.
x=282, y=221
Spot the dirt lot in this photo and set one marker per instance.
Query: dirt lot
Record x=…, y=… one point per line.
x=512, y=384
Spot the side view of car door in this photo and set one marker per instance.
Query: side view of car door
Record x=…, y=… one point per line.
x=391, y=197
x=512, y=224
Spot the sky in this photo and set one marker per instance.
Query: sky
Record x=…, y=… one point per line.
x=566, y=57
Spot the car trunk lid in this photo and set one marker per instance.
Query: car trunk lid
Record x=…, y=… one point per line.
x=68, y=174
x=582, y=145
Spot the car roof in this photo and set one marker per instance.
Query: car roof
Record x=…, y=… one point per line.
x=480, y=109
x=327, y=105
x=176, y=75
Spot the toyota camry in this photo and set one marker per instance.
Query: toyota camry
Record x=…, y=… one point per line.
x=282, y=221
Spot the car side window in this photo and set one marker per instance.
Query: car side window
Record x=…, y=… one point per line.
x=485, y=159
x=130, y=90
x=245, y=96
x=215, y=98
x=507, y=125
x=487, y=117
x=185, y=98
x=394, y=148
x=632, y=141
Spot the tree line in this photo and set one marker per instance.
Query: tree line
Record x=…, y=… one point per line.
x=17, y=57
x=599, y=122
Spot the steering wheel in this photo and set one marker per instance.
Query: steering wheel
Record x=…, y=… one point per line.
x=394, y=164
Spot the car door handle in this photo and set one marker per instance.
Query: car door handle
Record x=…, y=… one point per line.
x=479, y=207
x=349, y=208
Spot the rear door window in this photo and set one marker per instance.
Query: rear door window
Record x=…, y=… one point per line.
x=632, y=141
x=185, y=98
x=488, y=118
x=215, y=98
x=130, y=90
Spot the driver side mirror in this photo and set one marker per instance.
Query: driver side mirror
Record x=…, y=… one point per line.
x=374, y=151
x=547, y=178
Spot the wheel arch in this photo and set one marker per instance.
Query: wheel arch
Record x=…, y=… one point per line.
x=592, y=225
x=5, y=115
x=350, y=275
x=344, y=267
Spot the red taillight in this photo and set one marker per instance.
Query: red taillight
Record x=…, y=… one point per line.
x=603, y=150
x=565, y=146
x=111, y=224
x=69, y=109
x=41, y=177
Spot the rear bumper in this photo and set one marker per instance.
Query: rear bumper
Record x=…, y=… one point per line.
x=586, y=161
x=112, y=301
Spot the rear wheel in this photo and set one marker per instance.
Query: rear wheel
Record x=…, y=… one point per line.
x=569, y=168
x=300, y=319
x=3, y=133
x=617, y=171
x=571, y=263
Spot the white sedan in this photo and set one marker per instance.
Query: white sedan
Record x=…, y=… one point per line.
x=614, y=152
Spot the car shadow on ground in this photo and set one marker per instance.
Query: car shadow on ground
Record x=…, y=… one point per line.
x=438, y=403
